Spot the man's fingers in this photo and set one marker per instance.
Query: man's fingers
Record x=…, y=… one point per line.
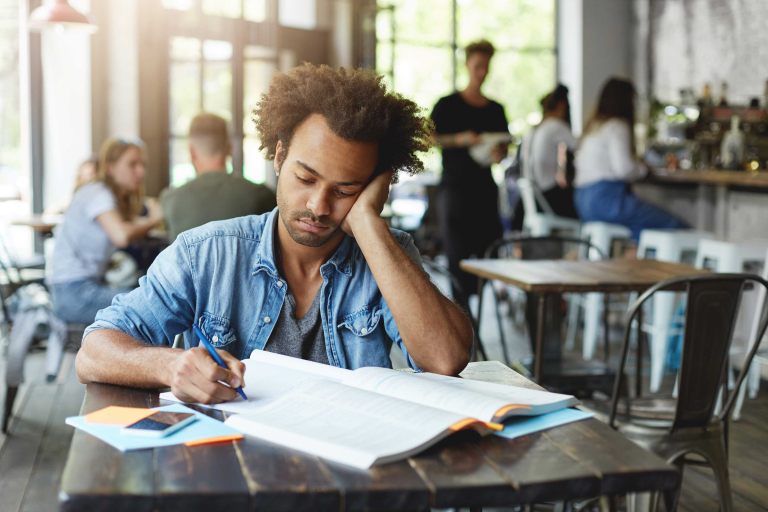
x=210, y=368
x=215, y=392
x=236, y=367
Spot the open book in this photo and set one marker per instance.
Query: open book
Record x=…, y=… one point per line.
x=370, y=416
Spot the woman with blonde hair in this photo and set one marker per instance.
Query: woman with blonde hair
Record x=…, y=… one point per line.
x=103, y=216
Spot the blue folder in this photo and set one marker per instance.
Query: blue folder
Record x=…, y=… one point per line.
x=524, y=425
x=203, y=428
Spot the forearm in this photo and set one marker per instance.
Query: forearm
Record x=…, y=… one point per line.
x=113, y=357
x=138, y=229
x=435, y=331
x=452, y=140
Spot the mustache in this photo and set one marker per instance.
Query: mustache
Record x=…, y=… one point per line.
x=309, y=216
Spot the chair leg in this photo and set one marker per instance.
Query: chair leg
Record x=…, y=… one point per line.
x=719, y=461
x=573, y=322
x=591, y=324
x=736, y=415
x=10, y=398
x=754, y=379
x=503, y=341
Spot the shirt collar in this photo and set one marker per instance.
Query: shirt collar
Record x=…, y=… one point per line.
x=265, y=254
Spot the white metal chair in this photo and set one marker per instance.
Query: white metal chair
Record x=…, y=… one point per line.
x=675, y=246
x=602, y=236
x=761, y=357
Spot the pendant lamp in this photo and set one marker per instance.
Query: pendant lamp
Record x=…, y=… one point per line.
x=60, y=16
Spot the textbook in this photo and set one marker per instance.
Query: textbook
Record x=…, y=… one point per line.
x=370, y=416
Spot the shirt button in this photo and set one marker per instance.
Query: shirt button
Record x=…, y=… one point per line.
x=215, y=339
x=364, y=330
x=267, y=319
x=279, y=284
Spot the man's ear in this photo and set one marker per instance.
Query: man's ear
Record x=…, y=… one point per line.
x=279, y=157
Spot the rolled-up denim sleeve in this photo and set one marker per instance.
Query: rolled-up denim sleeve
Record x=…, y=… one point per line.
x=161, y=307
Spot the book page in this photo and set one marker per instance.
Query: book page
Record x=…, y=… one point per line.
x=408, y=386
x=479, y=400
x=541, y=402
x=269, y=376
x=347, y=425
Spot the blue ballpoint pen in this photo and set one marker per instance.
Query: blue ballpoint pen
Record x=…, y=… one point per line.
x=216, y=357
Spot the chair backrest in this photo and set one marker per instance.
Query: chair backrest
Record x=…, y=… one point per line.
x=531, y=195
x=539, y=247
x=441, y=270
x=712, y=305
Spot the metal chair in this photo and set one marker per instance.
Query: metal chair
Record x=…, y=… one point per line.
x=676, y=428
x=533, y=248
x=441, y=270
x=546, y=221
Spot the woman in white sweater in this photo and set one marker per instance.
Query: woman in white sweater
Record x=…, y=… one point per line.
x=606, y=167
x=539, y=152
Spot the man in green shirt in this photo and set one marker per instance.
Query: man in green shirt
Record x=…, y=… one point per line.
x=214, y=194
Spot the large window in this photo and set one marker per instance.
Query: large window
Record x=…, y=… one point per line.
x=221, y=55
x=15, y=197
x=420, y=49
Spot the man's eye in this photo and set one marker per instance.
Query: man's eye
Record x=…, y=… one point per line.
x=342, y=194
x=303, y=180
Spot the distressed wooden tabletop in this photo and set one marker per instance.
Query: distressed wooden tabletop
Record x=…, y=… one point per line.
x=579, y=276
x=579, y=460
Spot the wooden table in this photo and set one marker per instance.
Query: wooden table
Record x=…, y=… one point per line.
x=575, y=461
x=545, y=277
x=42, y=223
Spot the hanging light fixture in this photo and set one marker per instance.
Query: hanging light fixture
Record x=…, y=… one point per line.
x=60, y=16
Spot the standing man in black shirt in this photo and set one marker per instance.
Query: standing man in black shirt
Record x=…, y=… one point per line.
x=469, y=209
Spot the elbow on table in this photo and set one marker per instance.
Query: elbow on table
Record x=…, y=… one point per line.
x=83, y=362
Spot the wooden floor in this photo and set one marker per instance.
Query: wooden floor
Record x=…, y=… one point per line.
x=32, y=456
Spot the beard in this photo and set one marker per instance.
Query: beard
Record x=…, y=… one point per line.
x=306, y=238
x=291, y=218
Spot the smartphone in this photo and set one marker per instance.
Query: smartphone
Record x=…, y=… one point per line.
x=159, y=424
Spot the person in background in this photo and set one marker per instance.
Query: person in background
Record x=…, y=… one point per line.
x=86, y=173
x=606, y=167
x=103, y=216
x=214, y=194
x=540, y=149
x=469, y=209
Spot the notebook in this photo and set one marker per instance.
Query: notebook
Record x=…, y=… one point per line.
x=370, y=416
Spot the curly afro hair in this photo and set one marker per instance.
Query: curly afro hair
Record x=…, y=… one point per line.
x=357, y=107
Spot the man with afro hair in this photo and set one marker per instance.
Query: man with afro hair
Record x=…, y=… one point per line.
x=321, y=277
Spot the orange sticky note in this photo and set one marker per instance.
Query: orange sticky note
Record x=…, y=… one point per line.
x=120, y=416
x=212, y=440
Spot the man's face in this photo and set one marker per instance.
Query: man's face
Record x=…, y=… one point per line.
x=477, y=65
x=321, y=177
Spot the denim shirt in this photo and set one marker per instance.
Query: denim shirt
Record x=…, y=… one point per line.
x=222, y=277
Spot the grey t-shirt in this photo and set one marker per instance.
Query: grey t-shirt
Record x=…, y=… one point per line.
x=302, y=338
x=83, y=248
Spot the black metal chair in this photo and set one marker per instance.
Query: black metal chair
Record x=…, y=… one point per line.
x=456, y=287
x=529, y=248
x=691, y=423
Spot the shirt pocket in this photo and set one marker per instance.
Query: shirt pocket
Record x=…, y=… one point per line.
x=363, y=322
x=218, y=329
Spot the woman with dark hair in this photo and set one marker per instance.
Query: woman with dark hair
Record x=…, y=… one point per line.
x=539, y=152
x=606, y=167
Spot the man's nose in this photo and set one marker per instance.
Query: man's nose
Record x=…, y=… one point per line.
x=319, y=204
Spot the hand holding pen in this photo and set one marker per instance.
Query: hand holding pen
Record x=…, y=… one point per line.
x=195, y=375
